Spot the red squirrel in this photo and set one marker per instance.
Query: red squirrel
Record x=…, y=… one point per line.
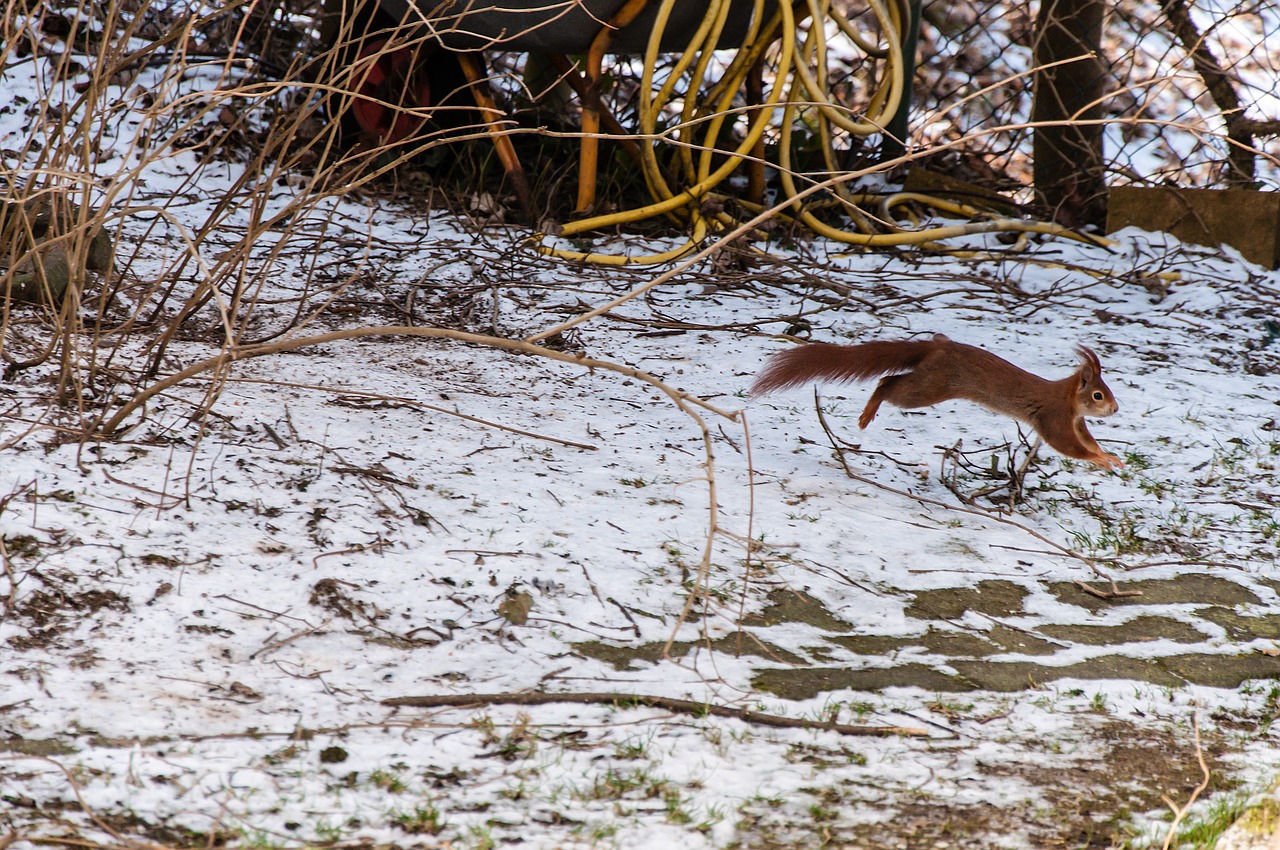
x=925, y=372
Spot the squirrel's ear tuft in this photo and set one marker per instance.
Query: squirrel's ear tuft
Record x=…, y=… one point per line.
x=1092, y=367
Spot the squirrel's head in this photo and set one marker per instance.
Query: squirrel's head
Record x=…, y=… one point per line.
x=1092, y=394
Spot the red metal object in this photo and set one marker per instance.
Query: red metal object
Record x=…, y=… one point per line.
x=395, y=78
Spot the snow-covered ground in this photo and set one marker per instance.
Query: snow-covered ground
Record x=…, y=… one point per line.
x=201, y=618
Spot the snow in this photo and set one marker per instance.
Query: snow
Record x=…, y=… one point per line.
x=202, y=618
x=218, y=538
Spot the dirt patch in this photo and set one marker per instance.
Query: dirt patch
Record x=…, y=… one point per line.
x=1191, y=588
x=47, y=747
x=792, y=606
x=1084, y=803
x=736, y=644
x=1138, y=767
x=1222, y=671
x=962, y=644
x=1238, y=626
x=1137, y=630
x=915, y=826
x=1219, y=671
x=1021, y=642
x=59, y=608
x=951, y=643
x=1021, y=675
x=808, y=682
x=995, y=598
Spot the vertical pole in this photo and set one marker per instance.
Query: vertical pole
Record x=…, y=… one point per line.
x=588, y=151
x=755, y=168
x=1067, y=110
x=893, y=144
x=478, y=76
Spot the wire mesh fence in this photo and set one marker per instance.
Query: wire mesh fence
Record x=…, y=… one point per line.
x=1189, y=97
x=1177, y=76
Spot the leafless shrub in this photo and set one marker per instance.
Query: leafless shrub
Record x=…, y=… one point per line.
x=260, y=85
x=145, y=88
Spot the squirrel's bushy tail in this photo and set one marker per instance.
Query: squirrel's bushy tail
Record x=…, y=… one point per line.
x=823, y=361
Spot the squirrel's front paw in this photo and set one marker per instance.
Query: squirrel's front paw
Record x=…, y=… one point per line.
x=1107, y=461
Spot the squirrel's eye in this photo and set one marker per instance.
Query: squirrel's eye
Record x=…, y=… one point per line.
x=1097, y=395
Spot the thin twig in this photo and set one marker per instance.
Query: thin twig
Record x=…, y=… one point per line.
x=234, y=354
x=1180, y=812
x=683, y=706
x=1114, y=593
x=401, y=401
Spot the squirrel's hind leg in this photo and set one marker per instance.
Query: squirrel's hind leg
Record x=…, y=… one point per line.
x=882, y=392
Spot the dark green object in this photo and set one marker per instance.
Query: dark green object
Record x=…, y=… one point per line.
x=333, y=755
x=34, y=234
x=893, y=145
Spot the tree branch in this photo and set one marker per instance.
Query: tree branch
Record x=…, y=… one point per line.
x=684, y=706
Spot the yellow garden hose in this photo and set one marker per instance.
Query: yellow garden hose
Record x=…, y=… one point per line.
x=800, y=92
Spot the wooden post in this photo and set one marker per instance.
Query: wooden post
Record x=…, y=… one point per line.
x=1068, y=156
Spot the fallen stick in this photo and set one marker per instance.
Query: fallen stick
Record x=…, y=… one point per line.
x=699, y=709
